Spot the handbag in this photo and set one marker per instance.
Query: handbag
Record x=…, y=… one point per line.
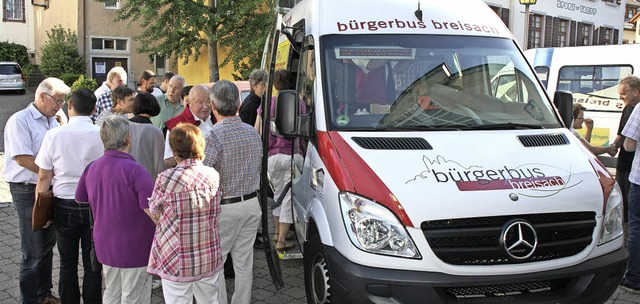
x=42, y=210
x=95, y=264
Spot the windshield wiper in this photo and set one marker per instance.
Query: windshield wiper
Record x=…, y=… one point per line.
x=504, y=126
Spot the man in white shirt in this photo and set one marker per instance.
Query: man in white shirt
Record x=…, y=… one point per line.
x=116, y=77
x=63, y=156
x=23, y=135
x=197, y=112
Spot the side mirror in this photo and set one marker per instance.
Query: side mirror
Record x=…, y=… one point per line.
x=563, y=101
x=286, y=112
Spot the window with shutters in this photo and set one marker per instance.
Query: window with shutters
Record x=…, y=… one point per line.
x=563, y=32
x=584, y=34
x=535, y=31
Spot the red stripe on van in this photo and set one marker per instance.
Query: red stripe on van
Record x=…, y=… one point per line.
x=351, y=173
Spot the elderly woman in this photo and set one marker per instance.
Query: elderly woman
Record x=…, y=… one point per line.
x=118, y=190
x=186, y=203
x=279, y=166
x=147, y=140
x=249, y=107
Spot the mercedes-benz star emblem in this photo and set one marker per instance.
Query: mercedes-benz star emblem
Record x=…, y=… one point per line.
x=519, y=240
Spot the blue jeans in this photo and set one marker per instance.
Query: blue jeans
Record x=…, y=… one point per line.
x=633, y=240
x=73, y=230
x=36, y=247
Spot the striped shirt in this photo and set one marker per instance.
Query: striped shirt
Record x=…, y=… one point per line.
x=186, y=245
x=235, y=150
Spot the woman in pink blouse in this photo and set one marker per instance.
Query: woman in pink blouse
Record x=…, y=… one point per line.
x=186, y=203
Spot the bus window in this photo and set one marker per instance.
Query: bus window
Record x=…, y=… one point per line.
x=593, y=81
x=543, y=74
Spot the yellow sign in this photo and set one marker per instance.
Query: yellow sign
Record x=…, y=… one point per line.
x=599, y=136
x=282, y=56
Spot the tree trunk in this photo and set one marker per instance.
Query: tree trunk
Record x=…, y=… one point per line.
x=212, y=46
x=214, y=73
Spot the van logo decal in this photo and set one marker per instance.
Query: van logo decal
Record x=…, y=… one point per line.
x=519, y=240
x=439, y=25
x=533, y=180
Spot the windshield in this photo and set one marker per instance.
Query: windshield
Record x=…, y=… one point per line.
x=409, y=82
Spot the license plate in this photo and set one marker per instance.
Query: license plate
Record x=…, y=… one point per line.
x=7, y=81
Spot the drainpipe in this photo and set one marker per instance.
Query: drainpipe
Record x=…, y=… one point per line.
x=45, y=5
x=85, y=37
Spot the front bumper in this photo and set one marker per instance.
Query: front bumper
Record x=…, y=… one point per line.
x=590, y=282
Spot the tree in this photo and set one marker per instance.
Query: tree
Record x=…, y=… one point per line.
x=60, y=53
x=183, y=27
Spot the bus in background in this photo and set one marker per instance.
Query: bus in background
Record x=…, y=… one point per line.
x=591, y=74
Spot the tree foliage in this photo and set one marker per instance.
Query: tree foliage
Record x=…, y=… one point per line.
x=60, y=53
x=182, y=27
x=14, y=52
x=84, y=83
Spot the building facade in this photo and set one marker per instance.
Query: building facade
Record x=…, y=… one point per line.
x=17, y=23
x=558, y=23
x=631, y=11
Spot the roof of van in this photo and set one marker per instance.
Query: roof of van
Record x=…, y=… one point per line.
x=452, y=17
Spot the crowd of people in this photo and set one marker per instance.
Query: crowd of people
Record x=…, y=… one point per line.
x=149, y=182
x=164, y=182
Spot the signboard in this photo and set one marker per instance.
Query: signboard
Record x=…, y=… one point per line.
x=282, y=56
x=101, y=68
x=599, y=136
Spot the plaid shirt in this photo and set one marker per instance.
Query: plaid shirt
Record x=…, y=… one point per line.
x=235, y=150
x=104, y=103
x=632, y=131
x=186, y=246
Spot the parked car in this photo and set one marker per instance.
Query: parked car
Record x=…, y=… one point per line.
x=12, y=77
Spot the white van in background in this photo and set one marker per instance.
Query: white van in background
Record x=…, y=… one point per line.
x=591, y=74
x=421, y=181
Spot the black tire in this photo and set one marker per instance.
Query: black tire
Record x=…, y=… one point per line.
x=21, y=92
x=316, y=272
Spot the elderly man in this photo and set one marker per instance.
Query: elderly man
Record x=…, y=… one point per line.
x=233, y=148
x=118, y=190
x=61, y=165
x=116, y=77
x=170, y=103
x=197, y=112
x=23, y=135
x=629, y=90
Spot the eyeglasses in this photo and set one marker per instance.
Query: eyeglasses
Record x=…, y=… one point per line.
x=59, y=102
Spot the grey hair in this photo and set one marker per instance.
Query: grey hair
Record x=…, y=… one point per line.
x=258, y=76
x=53, y=86
x=115, y=132
x=179, y=78
x=225, y=96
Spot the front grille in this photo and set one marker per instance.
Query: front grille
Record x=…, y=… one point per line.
x=543, y=140
x=506, y=293
x=476, y=241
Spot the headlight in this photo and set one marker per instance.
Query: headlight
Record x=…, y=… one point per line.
x=612, y=220
x=373, y=228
